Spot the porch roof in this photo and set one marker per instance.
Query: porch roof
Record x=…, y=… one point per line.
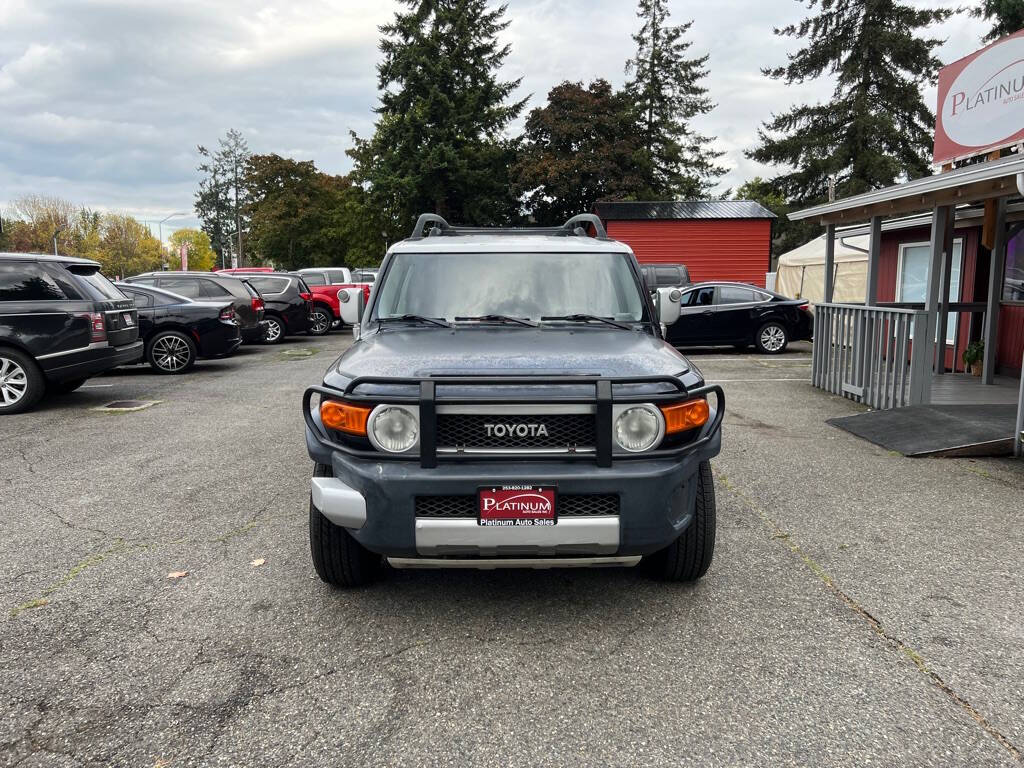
x=981, y=181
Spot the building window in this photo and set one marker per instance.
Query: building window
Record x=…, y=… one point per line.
x=912, y=277
x=1013, y=281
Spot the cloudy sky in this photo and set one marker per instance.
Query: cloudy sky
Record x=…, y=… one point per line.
x=104, y=101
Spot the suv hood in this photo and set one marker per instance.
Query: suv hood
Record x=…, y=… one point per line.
x=491, y=350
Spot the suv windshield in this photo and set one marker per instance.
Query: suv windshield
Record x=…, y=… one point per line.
x=522, y=285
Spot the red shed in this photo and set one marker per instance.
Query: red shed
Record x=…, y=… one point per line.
x=715, y=239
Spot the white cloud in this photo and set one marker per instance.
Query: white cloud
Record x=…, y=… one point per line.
x=104, y=101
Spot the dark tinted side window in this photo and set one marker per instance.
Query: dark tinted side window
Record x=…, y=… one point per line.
x=213, y=289
x=702, y=297
x=63, y=279
x=141, y=299
x=313, y=278
x=729, y=294
x=182, y=286
x=23, y=281
x=269, y=284
x=668, y=276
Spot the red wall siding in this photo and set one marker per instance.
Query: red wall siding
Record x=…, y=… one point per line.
x=1011, y=338
x=712, y=249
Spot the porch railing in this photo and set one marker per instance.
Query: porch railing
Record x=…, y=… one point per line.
x=867, y=354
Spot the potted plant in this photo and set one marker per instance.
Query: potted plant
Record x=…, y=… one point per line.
x=973, y=356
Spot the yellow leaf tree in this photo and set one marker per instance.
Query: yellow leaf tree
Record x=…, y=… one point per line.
x=201, y=256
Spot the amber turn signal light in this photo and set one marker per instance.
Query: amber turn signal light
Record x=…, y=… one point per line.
x=344, y=417
x=684, y=416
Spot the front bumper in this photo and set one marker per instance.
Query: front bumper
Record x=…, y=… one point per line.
x=376, y=502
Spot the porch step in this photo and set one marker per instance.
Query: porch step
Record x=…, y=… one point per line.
x=937, y=430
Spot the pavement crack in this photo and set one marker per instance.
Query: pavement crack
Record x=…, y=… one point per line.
x=900, y=645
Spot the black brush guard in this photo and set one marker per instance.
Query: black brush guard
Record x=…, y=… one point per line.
x=428, y=400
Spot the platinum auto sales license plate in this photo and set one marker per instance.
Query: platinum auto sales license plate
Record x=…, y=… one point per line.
x=515, y=506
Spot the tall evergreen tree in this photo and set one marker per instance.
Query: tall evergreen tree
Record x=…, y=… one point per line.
x=669, y=93
x=877, y=128
x=1006, y=16
x=220, y=199
x=439, y=143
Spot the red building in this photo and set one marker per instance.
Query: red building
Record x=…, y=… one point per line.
x=716, y=240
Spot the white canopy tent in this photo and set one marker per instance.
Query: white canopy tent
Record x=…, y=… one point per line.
x=801, y=272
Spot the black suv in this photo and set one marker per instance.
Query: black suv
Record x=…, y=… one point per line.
x=209, y=286
x=510, y=402
x=288, y=303
x=61, y=321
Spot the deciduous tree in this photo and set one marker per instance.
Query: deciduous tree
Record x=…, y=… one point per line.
x=201, y=256
x=584, y=145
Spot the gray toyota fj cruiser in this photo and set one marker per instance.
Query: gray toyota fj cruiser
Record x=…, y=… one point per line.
x=510, y=402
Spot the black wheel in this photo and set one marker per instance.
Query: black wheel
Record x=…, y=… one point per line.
x=772, y=338
x=21, y=381
x=320, y=321
x=688, y=557
x=275, y=330
x=338, y=558
x=170, y=352
x=64, y=387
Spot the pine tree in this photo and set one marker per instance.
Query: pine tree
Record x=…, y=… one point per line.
x=669, y=95
x=877, y=128
x=220, y=199
x=1007, y=17
x=439, y=143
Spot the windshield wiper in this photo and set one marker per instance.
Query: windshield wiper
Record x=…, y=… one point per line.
x=498, y=319
x=587, y=319
x=414, y=319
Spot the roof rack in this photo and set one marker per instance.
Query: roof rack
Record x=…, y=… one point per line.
x=574, y=227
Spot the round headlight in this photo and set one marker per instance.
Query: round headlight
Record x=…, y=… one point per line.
x=393, y=429
x=637, y=428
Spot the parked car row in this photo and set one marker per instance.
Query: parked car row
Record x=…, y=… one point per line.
x=62, y=321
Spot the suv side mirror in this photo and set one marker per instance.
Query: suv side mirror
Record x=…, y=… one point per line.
x=667, y=301
x=350, y=300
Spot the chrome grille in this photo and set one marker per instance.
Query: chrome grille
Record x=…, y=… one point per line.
x=567, y=431
x=567, y=505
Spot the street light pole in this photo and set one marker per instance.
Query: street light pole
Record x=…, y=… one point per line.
x=55, y=233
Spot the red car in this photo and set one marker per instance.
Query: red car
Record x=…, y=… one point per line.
x=325, y=283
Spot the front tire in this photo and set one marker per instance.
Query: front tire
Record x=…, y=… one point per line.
x=339, y=560
x=21, y=382
x=689, y=557
x=772, y=339
x=170, y=352
x=275, y=330
x=320, y=321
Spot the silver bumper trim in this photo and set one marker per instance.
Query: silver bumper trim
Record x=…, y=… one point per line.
x=571, y=536
x=489, y=564
x=338, y=502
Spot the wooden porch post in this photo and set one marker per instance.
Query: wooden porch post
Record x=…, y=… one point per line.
x=830, y=261
x=874, y=254
x=944, y=283
x=995, y=290
x=940, y=215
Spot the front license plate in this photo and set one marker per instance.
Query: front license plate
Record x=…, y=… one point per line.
x=127, y=317
x=516, y=505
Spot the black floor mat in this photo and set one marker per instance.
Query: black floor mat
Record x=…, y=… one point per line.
x=937, y=430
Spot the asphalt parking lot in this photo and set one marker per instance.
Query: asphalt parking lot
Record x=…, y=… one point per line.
x=862, y=609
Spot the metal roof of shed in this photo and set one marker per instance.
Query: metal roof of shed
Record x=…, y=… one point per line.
x=682, y=209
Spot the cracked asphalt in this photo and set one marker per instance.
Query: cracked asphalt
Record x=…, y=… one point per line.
x=863, y=609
